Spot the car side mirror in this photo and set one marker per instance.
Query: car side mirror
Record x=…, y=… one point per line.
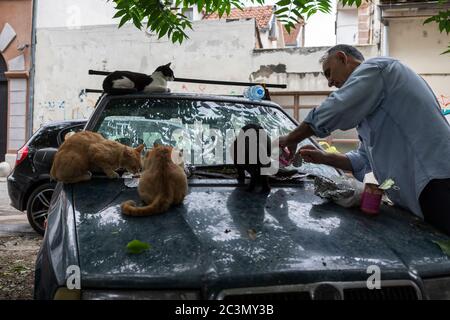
x=43, y=159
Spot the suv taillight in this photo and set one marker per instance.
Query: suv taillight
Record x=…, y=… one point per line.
x=21, y=155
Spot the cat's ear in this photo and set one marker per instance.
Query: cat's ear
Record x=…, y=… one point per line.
x=140, y=148
x=168, y=65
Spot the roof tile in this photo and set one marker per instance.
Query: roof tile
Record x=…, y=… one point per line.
x=262, y=15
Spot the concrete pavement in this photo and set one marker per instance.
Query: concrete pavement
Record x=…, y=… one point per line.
x=12, y=222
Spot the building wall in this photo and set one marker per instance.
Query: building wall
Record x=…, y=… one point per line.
x=15, y=48
x=320, y=28
x=216, y=50
x=347, y=26
x=419, y=46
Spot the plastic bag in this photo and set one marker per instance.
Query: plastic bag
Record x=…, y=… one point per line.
x=344, y=191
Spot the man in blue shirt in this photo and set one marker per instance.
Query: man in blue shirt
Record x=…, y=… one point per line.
x=403, y=134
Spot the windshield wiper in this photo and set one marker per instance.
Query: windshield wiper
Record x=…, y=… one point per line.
x=228, y=171
x=224, y=171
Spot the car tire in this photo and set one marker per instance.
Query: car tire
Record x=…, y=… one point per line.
x=37, y=206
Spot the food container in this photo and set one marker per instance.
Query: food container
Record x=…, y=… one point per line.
x=284, y=156
x=371, y=199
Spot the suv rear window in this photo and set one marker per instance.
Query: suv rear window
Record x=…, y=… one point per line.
x=46, y=137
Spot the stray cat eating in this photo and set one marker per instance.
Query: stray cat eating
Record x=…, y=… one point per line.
x=86, y=151
x=124, y=82
x=163, y=182
x=243, y=160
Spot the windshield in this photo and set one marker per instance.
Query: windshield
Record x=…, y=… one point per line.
x=204, y=130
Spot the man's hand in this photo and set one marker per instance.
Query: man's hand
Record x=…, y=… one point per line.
x=283, y=141
x=311, y=154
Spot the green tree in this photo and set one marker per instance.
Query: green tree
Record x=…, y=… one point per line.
x=163, y=18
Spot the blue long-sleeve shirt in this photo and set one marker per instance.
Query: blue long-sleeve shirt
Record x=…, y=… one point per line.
x=403, y=134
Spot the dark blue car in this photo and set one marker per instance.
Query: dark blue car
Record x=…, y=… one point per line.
x=224, y=242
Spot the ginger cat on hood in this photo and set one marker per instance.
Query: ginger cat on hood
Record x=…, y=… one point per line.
x=88, y=151
x=163, y=182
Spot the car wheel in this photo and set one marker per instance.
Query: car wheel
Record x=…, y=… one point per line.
x=37, y=206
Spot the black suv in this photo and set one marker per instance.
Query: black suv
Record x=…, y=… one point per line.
x=29, y=184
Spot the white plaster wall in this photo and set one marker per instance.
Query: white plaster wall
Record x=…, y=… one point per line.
x=347, y=26
x=420, y=46
x=320, y=29
x=303, y=70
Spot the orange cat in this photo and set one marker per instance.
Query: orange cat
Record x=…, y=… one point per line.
x=163, y=182
x=88, y=151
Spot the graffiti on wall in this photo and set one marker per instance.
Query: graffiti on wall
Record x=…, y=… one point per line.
x=80, y=108
x=213, y=89
x=444, y=101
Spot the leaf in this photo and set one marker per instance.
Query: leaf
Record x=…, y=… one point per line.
x=430, y=19
x=283, y=3
x=163, y=31
x=120, y=13
x=124, y=19
x=281, y=10
x=445, y=52
x=311, y=12
x=136, y=247
x=228, y=9
x=444, y=245
x=387, y=184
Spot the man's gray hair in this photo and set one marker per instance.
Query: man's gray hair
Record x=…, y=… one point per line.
x=348, y=50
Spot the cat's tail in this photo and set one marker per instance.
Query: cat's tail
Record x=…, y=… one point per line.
x=159, y=205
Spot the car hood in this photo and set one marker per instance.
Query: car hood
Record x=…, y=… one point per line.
x=223, y=234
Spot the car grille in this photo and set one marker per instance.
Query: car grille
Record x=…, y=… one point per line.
x=390, y=290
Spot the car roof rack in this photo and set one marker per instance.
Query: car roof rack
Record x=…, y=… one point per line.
x=203, y=81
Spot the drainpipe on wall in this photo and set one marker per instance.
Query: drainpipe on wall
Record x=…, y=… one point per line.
x=385, y=33
x=385, y=42
x=32, y=71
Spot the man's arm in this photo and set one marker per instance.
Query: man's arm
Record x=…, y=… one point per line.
x=345, y=108
x=359, y=162
x=302, y=132
x=354, y=161
x=311, y=154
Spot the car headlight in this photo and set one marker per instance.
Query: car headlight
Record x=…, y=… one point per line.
x=437, y=289
x=140, y=295
x=67, y=294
